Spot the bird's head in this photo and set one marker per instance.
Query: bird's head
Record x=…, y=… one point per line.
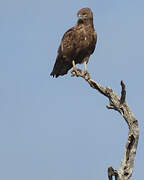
x=84, y=14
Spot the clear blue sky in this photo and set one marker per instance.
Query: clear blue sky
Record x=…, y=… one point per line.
x=59, y=129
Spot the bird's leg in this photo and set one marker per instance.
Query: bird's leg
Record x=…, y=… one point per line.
x=74, y=66
x=75, y=71
x=85, y=70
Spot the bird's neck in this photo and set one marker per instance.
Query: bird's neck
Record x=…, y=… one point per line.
x=87, y=22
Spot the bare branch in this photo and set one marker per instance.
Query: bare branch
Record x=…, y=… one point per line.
x=111, y=173
x=119, y=104
x=123, y=93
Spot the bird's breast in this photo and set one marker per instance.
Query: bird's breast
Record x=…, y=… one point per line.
x=85, y=39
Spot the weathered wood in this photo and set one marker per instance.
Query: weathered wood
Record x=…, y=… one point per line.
x=119, y=104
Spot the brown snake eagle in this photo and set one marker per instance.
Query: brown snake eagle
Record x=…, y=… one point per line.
x=77, y=44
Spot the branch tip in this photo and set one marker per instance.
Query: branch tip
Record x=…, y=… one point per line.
x=123, y=93
x=112, y=172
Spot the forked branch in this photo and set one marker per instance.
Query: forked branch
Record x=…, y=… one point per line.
x=119, y=104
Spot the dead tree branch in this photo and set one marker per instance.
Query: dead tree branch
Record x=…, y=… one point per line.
x=119, y=104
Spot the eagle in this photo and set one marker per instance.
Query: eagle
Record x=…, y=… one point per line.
x=77, y=44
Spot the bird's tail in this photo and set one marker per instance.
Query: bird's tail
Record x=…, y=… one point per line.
x=61, y=67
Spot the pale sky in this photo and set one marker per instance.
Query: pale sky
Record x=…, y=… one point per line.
x=60, y=129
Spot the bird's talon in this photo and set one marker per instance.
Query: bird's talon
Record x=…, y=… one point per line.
x=74, y=71
x=79, y=70
x=87, y=75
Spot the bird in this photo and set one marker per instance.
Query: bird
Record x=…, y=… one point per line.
x=77, y=44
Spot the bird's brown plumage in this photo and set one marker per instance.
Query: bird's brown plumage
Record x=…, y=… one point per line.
x=77, y=44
